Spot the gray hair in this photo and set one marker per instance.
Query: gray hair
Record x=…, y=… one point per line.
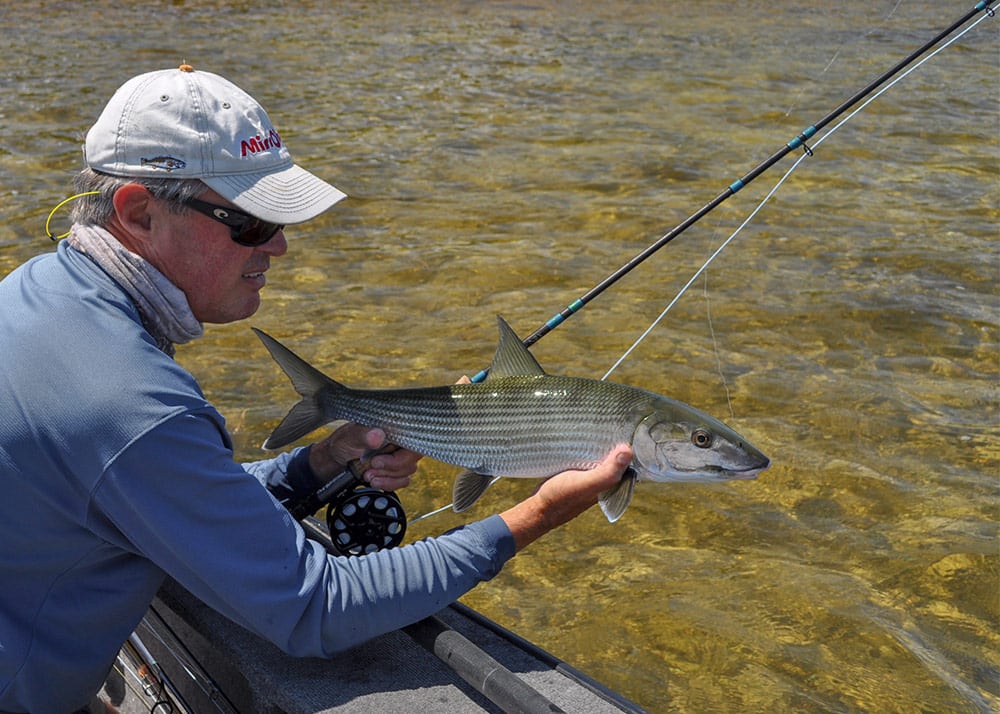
x=96, y=209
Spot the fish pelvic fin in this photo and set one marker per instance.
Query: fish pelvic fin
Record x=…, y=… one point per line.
x=309, y=382
x=469, y=486
x=512, y=358
x=615, y=500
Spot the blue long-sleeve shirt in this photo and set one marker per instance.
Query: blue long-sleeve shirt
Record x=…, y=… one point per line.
x=115, y=471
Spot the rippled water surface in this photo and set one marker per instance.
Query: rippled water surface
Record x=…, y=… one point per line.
x=505, y=157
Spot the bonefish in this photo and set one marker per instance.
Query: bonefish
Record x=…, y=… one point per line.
x=521, y=422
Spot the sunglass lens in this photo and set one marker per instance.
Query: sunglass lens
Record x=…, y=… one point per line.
x=256, y=233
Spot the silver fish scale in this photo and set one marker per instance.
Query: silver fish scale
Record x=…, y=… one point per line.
x=519, y=426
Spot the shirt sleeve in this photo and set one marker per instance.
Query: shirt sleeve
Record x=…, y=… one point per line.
x=288, y=477
x=176, y=497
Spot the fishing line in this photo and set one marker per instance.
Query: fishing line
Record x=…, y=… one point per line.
x=836, y=54
x=715, y=350
x=704, y=267
x=781, y=181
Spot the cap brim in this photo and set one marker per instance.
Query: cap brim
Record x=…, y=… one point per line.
x=290, y=195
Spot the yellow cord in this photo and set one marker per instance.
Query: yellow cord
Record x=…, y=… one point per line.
x=60, y=205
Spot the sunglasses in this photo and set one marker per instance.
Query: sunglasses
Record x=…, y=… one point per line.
x=243, y=228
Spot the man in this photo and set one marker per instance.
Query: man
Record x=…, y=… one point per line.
x=115, y=469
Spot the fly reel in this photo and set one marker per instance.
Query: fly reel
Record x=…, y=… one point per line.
x=360, y=519
x=363, y=520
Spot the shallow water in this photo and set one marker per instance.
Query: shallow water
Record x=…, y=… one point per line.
x=505, y=157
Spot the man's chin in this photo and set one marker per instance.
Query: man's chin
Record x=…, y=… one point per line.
x=235, y=314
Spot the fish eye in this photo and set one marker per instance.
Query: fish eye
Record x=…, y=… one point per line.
x=701, y=438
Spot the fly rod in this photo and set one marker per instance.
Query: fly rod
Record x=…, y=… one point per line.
x=800, y=141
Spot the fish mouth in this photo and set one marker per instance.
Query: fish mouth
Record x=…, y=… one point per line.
x=743, y=475
x=713, y=473
x=750, y=473
x=723, y=473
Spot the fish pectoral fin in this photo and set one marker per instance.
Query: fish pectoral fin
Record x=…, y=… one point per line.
x=615, y=500
x=469, y=486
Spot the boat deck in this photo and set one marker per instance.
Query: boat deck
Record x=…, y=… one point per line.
x=455, y=662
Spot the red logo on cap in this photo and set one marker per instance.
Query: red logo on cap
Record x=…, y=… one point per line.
x=258, y=144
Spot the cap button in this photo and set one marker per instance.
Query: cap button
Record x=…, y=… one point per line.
x=186, y=68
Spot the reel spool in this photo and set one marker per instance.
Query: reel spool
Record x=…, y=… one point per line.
x=364, y=520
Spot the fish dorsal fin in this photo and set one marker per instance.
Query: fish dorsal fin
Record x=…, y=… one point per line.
x=512, y=358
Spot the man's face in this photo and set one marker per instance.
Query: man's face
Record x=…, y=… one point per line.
x=221, y=278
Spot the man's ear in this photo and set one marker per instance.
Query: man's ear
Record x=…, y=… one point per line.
x=132, y=209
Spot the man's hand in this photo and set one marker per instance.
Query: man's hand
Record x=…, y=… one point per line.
x=563, y=497
x=388, y=471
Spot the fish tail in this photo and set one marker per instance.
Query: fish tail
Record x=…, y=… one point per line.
x=310, y=383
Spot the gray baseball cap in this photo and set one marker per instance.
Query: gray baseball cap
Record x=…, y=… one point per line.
x=182, y=123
